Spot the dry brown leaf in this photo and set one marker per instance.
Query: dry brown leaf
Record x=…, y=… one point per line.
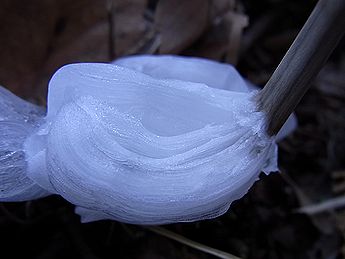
x=180, y=23
x=238, y=22
x=130, y=25
x=214, y=44
x=223, y=39
x=76, y=18
x=91, y=46
x=25, y=31
x=81, y=34
x=44, y=35
x=220, y=7
x=41, y=36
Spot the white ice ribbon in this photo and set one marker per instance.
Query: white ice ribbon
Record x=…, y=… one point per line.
x=146, y=140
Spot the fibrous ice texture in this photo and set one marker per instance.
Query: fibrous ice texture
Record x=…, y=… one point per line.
x=18, y=119
x=146, y=140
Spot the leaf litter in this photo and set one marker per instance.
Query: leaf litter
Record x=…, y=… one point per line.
x=38, y=38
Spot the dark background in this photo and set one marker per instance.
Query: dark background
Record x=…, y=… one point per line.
x=39, y=36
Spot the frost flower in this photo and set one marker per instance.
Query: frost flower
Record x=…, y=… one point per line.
x=145, y=140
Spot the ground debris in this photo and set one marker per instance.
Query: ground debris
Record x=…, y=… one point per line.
x=38, y=37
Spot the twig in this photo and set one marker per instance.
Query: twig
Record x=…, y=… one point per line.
x=308, y=53
x=12, y=216
x=181, y=239
x=328, y=205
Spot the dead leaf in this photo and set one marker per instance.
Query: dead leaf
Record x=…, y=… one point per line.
x=238, y=22
x=81, y=35
x=76, y=18
x=25, y=29
x=130, y=26
x=220, y=7
x=224, y=36
x=180, y=23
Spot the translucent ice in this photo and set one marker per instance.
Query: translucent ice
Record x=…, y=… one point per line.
x=147, y=140
x=18, y=119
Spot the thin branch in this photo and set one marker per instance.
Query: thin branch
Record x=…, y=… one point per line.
x=183, y=240
x=328, y=205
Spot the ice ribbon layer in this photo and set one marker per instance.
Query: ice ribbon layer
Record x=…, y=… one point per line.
x=139, y=143
x=18, y=119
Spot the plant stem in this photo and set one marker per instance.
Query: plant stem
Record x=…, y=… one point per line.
x=302, y=62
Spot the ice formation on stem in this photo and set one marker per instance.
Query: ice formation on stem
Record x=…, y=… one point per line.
x=146, y=140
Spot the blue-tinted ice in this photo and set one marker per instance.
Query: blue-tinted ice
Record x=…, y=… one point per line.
x=146, y=140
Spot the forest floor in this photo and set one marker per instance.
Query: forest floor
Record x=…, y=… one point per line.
x=269, y=222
